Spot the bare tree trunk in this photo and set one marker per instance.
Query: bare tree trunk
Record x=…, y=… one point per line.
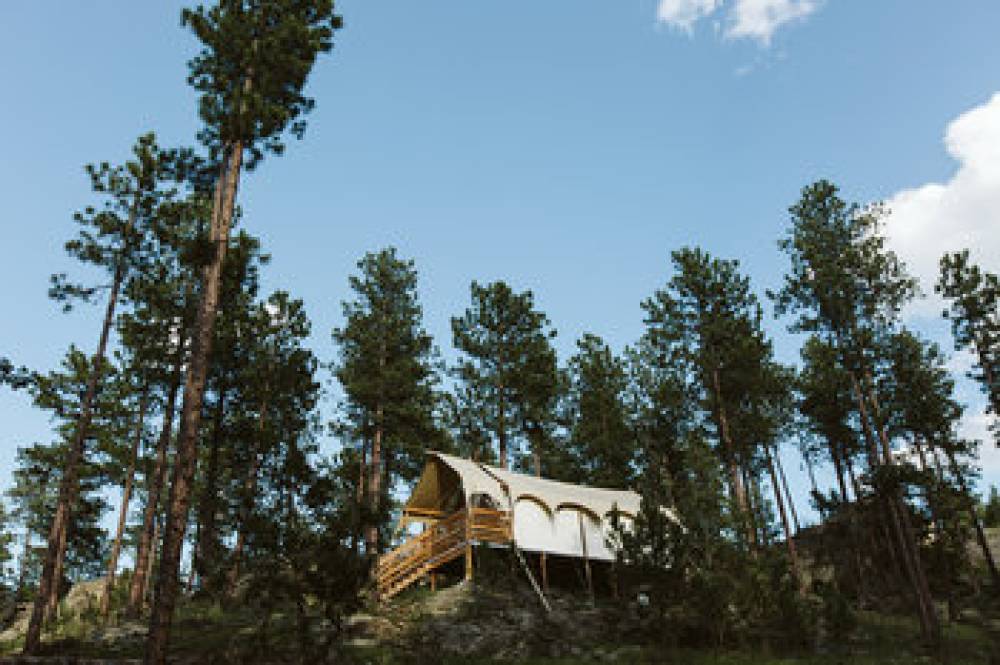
x=116, y=548
x=48, y=584
x=793, y=557
x=150, y=527
x=194, y=391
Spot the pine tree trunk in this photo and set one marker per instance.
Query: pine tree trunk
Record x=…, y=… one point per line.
x=147, y=597
x=52, y=606
x=793, y=558
x=736, y=480
x=22, y=577
x=147, y=540
x=788, y=493
x=838, y=453
x=47, y=594
x=907, y=535
x=194, y=391
x=838, y=465
x=360, y=503
x=755, y=504
x=375, y=479
x=205, y=554
x=502, y=427
x=109, y=581
x=250, y=490
x=375, y=485
x=899, y=520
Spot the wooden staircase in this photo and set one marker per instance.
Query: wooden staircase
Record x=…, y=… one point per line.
x=443, y=541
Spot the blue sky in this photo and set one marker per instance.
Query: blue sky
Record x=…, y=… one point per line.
x=567, y=147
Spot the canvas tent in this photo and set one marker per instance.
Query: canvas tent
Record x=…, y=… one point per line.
x=545, y=515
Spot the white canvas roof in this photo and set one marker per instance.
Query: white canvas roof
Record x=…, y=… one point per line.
x=546, y=515
x=495, y=483
x=555, y=495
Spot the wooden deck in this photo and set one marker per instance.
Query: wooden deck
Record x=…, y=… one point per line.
x=444, y=541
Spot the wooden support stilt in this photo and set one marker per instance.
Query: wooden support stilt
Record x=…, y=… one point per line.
x=531, y=578
x=586, y=560
x=544, y=567
x=468, y=545
x=433, y=581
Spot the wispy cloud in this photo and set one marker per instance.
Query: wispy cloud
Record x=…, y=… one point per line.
x=759, y=19
x=683, y=14
x=745, y=19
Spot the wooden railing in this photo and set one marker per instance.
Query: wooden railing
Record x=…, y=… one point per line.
x=444, y=541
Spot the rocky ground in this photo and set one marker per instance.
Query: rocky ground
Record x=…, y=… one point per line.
x=495, y=623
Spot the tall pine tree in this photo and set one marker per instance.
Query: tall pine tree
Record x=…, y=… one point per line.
x=845, y=284
x=508, y=365
x=250, y=73
x=114, y=238
x=388, y=372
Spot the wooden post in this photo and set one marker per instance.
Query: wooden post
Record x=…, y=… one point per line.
x=614, y=579
x=433, y=581
x=468, y=544
x=543, y=564
x=586, y=561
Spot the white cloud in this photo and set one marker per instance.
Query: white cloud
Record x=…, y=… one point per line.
x=758, y=19
x=926, y=221
x=683, y=14
x=746, y=19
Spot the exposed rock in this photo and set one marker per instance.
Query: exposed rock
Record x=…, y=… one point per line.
x=495, y=624
x=18, y=625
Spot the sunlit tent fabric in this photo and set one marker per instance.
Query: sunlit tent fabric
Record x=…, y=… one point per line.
x=547, y=515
